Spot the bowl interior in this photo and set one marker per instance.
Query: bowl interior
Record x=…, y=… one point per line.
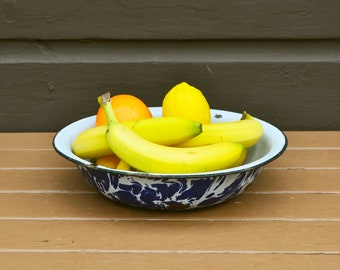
x=272, y=144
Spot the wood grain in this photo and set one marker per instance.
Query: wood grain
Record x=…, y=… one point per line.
x=84, y=205
x=270, y=181
x=297, y=139
x=287, y=219
x=262, y=237
x=291, y=159
x=166, y=261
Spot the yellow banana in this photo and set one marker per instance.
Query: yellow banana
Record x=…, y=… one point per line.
x=242, y=158
x=91, y=143
x=146, y=156
x=247, y=132
x=166, y=130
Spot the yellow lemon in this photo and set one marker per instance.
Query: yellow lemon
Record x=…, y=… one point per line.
x=184, y=100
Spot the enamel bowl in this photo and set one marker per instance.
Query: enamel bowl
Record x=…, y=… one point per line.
x=174, y=191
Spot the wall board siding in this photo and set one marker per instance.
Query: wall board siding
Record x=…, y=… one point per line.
x=47, y=84
x=192, y=19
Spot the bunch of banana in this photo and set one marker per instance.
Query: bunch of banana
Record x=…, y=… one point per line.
x=92, y=143
x=246, y=131
x=151, y=157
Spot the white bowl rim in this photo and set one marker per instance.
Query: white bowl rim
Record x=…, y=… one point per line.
x=278, y=141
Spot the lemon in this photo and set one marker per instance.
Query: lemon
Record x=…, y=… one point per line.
x=184, y=100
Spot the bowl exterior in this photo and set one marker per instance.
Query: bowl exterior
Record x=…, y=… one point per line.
x=174, y=191
x=167, y=193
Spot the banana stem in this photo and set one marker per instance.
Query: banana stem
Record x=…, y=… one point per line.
x=244, y=115
x=105, y=102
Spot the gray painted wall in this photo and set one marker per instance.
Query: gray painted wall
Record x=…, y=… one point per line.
x=279, y=60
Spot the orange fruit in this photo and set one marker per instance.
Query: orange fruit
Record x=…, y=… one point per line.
x=110, y=161
x=184, y=100
x=126, y=107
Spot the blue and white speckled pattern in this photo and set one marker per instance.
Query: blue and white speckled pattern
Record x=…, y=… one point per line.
x=167, y=193
x=170, y=191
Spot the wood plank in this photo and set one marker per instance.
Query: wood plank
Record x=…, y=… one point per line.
x=40, y=180
x=80, y=205
x=292, y=159
x=104, y=19
x=289, y=218
x=267, y=237
x=296, y=139
x=37, y=158
x=297, y=181
x=36, y=140
x=314, y=139
x=166, y=261
x=306, y=159
x=269, y=181
x=235, y=76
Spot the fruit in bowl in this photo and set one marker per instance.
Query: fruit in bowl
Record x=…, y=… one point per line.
x=168, y=177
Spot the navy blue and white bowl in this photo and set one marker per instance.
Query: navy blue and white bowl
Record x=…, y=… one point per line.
x=174, y=191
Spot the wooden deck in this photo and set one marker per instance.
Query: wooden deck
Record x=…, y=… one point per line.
x=288, y=219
